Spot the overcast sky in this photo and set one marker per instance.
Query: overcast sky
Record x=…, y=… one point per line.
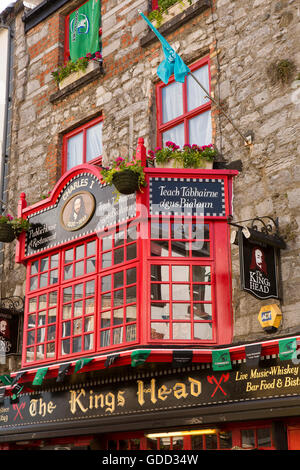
x=5, y=3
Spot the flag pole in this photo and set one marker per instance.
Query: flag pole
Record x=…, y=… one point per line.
x=219, y=106
x=186, y=72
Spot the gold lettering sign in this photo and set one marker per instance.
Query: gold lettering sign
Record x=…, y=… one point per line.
x=77, y=211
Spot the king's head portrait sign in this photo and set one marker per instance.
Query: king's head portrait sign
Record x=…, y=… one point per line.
x=259, y=268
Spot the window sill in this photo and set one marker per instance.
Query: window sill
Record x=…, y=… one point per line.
x=176, y=18
x=77, y=80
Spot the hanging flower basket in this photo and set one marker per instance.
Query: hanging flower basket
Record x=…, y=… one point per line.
x=126, y=181
x=7, y=233
x=126, y=175
x=10, y=227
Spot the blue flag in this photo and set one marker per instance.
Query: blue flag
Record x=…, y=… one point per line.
x=173, y=63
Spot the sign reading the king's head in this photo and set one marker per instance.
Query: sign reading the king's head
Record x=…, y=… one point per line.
x=258, y=264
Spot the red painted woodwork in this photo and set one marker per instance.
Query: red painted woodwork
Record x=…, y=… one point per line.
x=186, y=115
x=109, y=329
x=81, y=129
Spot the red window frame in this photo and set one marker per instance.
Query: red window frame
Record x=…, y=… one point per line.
x=83, y=128
x=187, y=304
x=187, y=115
x=78, y=317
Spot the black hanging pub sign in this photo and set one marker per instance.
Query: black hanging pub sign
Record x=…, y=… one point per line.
x=260, y=263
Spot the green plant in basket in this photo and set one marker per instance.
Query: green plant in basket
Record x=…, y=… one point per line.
x=126, y=175
x=11, y=227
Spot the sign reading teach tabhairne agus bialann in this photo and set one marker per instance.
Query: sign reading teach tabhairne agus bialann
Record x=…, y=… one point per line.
x=84, y=24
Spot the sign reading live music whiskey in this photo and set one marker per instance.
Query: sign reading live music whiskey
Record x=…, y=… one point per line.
x=156, y=393
x=259, y=272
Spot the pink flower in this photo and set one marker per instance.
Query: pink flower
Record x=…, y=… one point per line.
x=10, y=217
x=89, y=55
x=98, y=55
x=157, y=149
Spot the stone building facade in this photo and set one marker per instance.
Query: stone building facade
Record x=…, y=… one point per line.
x=244, y=41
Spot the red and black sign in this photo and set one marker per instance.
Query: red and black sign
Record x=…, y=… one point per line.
x=259, y=268
x=9, y=327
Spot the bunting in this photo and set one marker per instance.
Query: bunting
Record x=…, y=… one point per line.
x=62, y=372
x=139, y=357
x=111, y=359
x=6, y=379
x=39, y=376
x=182, y=358
x=253, y=352
x=81, y=363
x=287, y=348
x=221, y=360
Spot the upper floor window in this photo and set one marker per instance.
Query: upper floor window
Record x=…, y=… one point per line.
x=82, y=35
x=83, y=144
x=183, y=110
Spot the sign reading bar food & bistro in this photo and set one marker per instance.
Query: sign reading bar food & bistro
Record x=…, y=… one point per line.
x=190, y=388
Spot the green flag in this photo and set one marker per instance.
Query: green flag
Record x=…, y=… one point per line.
x=81, y=363
x=6, y=379
x=39, y=376
x=287, y=347
x=221, y=360
x=84, y=24
x=139, y=357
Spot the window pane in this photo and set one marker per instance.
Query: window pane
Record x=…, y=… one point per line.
x=248, y=438
x=180, y=292
x=225, y=440
x=202, y=331
x=131, y=313
x=118, y=316
x=211, y=441
x=75, y=150
x=131, y=276
x=197, y=442
x=159, y=273
x=181, y=273
x=172, y=101
x=201, y=292
x=202, y=311
x=175, y=134
x=181, y=311
x=159, y=311
x=195, y=94
x=200, y=129
x=79, y=252
x=201, y=273
x=181, y=331
x=264, y=437
x=159, y=330
x=94, y=142
x=177, y=443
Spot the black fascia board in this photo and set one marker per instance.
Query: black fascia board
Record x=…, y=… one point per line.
x=41, y=12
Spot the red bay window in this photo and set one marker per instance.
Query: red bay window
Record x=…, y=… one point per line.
x=148, y=278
